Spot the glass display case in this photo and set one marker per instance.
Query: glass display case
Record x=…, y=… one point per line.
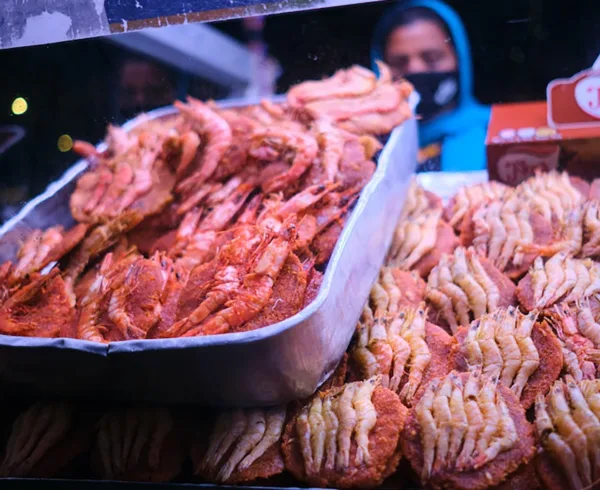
x=303, y=243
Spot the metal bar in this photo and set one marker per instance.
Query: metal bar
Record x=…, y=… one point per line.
x=33, y=22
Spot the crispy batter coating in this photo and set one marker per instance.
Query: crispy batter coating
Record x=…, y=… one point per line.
x=42, y=308
x=475, y=444
x=287, y=298
x=313, y=286
x=45, y=439
x=205, y=180
x=40, y=248
x=525, y=478
x=138, y=444
x=244, y=445
x=346, y=437
x=522, y=352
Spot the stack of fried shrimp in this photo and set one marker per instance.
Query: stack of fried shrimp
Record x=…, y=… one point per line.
x=475, y=364
x=205, y=222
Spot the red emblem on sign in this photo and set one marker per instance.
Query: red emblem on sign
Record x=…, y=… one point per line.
x=575, y=102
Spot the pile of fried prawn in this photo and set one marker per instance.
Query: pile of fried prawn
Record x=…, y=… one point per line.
x=475, y=364
x=206, y=221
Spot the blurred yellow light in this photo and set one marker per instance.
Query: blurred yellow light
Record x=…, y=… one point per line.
x=65, y=143
x=19, y=106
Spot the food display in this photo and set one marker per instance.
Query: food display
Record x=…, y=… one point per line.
x=514, y=348
x=504, y=395
x=244, y=445
x=45, y=438
x=138, y=444
x=467, y=431
x=207, y=221
x=346, y=437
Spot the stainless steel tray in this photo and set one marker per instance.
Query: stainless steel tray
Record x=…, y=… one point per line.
x=275, y=364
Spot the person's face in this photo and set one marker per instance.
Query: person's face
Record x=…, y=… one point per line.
x=143, y=86
x=419, y=47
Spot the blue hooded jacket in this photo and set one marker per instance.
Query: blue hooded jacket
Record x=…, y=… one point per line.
x=462, y=130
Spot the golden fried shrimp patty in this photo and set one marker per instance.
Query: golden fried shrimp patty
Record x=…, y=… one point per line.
x=445, y=243
x=45, y=438
x=567, y=423
x=242, y=445
x=406, y=288
x=501, y=232
x=400, y=345
x=419, y=201
x=419, y=243
x=469, y=196
x=466, y=432
x=346, y=437
x=560, y=278
x=138, y=444
x=523, y=353
x=463, y=287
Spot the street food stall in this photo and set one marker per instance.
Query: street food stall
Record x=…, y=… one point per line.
x=259, y=290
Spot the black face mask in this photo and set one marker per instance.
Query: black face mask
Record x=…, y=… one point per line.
x=438, y=90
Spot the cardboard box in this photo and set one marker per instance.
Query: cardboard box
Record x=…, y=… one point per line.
x=520, y=140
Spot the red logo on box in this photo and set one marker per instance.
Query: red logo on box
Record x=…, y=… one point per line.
x=574, y=102
x=520, y=162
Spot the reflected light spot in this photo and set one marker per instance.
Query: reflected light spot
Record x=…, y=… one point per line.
x=19, y=106
x=65, y=143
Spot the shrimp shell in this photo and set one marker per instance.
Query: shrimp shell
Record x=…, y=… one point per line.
x=463, y=277
x=347, y=419
x=443, y=417
x=587, y=324
x=460, y=422
x=366, y=418
x=317, y=432
x=492, y=357
x=474, y=418
x=570, y=431
x=420, y=358
x=491, y=290
x=275, y=419
x=555, y=273
x=554, y=443
x=424, y=415
x=460, y=301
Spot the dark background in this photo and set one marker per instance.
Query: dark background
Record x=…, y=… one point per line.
x=517, y=47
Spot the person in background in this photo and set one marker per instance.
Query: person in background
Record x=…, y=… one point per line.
x=425, y=42
x=143, y=86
